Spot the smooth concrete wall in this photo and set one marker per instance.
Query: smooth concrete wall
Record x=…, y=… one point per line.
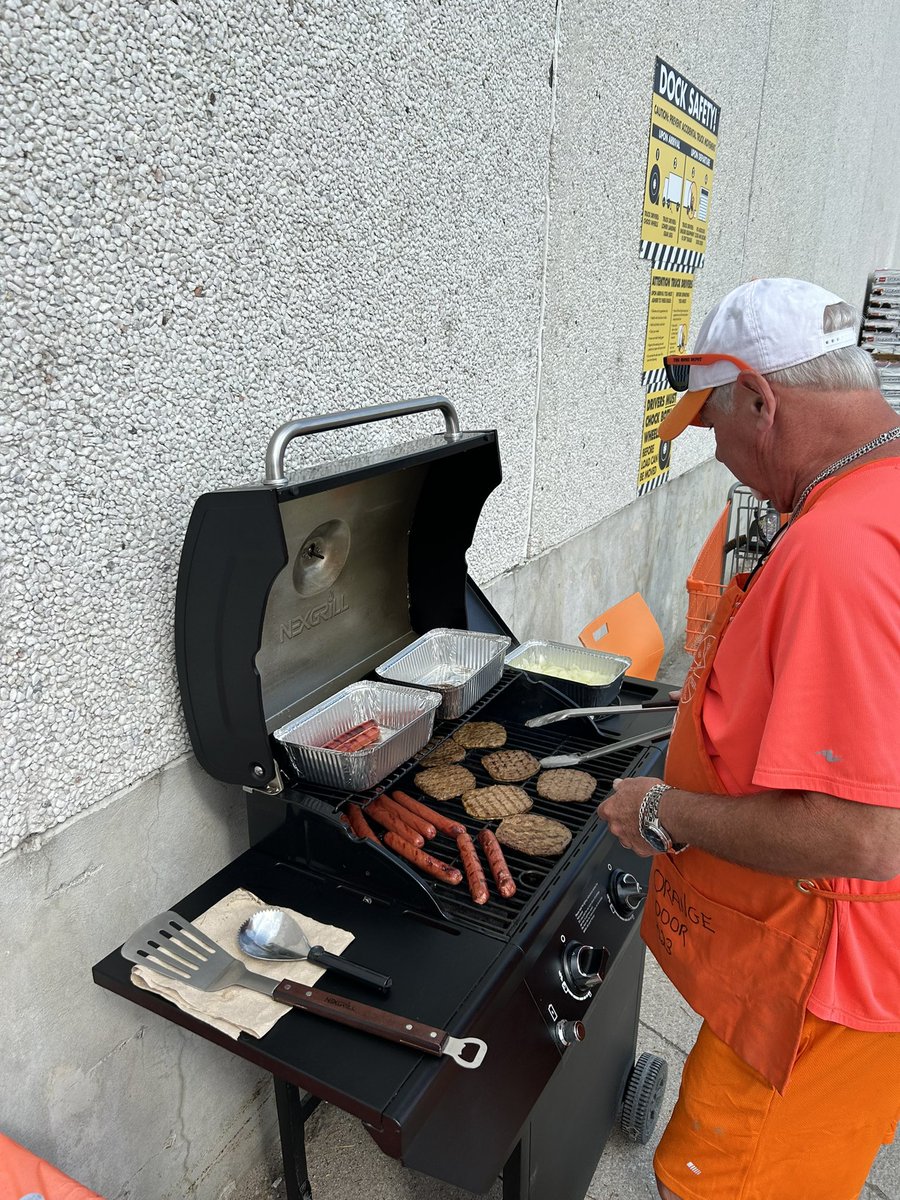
x=127, y=1103
x=222, y=218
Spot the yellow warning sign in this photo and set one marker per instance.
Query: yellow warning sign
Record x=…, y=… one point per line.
x=681, y=159
x=668, y=318
x=653, y=467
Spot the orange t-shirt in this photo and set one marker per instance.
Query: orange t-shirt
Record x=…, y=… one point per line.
x=804, y=694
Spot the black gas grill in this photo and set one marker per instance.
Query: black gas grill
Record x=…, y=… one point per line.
x=288, y=591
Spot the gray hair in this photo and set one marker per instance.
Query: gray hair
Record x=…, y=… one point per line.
x=849, y=368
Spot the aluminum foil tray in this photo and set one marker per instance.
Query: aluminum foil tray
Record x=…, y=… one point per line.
x=404, y=715
x=461, y=665
x=599, y=675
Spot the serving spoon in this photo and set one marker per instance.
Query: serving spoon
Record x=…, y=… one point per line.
x=272, y=934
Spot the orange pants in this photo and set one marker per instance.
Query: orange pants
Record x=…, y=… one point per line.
x=732, y=1137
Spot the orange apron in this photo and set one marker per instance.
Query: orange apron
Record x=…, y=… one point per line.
x=743, y=947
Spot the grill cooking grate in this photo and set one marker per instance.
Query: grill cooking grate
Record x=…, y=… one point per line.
x=500, y=917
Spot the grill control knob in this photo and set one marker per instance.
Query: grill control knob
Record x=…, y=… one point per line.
x=569, y=1032
x=625, y=895
x=584, y=966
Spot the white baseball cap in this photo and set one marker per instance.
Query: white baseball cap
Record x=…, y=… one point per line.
x=769, y=324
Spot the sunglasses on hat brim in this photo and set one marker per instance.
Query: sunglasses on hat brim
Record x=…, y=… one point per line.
x=678, y=367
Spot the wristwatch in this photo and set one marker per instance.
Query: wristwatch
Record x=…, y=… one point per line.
x=655, y=834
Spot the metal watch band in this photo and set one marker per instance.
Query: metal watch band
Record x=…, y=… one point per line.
x=650, y=804
x=648, y=819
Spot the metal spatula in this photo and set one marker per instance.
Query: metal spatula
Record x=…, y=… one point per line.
x=175, y=948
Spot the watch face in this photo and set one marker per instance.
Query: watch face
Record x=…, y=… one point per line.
x=652, y=838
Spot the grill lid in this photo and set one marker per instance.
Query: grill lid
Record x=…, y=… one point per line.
x=290, y=589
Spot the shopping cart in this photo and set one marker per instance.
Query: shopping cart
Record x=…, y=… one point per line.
x=738, y=540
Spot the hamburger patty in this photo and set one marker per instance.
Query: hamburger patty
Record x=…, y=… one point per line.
x=530, y=833
x=500, y=800
x=510, y=766
x=444, y=754
x=565, y=786
x=444, y=783
x=478, y=735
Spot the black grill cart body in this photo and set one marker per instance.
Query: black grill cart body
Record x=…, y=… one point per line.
x=288, y=591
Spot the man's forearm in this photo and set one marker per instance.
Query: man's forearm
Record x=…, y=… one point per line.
x=787, y=833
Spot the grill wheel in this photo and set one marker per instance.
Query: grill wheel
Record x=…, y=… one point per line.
x=643, y=1097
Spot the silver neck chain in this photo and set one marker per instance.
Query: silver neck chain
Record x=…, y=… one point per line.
x=881, y=440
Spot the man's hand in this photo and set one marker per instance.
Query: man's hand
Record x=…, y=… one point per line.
x=620, y=811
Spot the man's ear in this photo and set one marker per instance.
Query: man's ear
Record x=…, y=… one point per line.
x=764, y=400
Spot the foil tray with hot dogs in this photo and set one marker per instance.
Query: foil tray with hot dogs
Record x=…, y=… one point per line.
x=323, y=748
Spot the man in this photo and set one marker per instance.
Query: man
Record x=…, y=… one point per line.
x=774, y=902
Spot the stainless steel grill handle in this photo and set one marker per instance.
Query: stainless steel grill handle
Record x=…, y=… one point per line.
x=286, y=433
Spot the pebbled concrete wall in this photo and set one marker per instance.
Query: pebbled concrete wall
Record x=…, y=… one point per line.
x=220, y=218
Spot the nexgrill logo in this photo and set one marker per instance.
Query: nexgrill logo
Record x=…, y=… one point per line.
x=335, y=604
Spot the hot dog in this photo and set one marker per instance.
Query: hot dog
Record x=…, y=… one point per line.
x=387, y=817
x=419, y=824
x=367, y=738
x=359, y=824
x=442, y=824
x=425, y=862
x=471, y=865
x=493, y=852
x=355, y=738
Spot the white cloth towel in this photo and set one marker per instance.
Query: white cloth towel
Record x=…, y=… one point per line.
x=237, y=1010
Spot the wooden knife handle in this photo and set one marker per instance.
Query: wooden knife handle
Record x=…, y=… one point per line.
x=361, y=1016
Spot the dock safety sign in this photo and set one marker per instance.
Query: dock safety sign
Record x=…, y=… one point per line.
x=678, y=184
x=681, y=161
x=653, y=466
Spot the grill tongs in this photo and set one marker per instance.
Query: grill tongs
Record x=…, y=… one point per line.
x=613, y=710
x=175, y=948
x=572, y=760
